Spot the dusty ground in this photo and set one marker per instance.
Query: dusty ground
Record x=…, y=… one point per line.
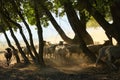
x=72, y=69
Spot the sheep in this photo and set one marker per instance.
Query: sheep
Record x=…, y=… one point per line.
x=25, y=50
x=73, y=49
x=49, y=49
x=61, y=51
x=111, y=53
x=95, y=48
x=15, y=53
x=8, y=55
x=101, y=53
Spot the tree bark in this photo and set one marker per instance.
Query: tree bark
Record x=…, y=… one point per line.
x=27, y=26
x=61, y=32
x=57, y=27
x=10, y=45
x=111, y=29
x=40, y=33
x=25, y=40
x=26, y=60
x=78, y=29
x=86, y=36
x=22, y=34
x=75, y=21
x=114, y=8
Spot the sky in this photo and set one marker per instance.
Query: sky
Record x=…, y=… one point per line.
x=50, y=34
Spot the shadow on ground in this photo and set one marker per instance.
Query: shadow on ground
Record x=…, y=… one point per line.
x=34, y=72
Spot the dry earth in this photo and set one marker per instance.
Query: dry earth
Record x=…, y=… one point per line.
x=73, y=68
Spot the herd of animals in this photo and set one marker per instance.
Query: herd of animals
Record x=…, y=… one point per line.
x=105, y=52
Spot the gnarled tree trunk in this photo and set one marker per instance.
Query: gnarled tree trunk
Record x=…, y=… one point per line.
x=26, y=60
x=75, y=40
x=40, y=33
x=111, y=29
x=27, y=26
x=78, y=28
x=10, y=45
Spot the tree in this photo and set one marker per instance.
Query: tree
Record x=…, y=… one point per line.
x=5, y=16
x=9, y=43
x=17, y=10
x=16, y=41
x=40, y=33
x=55, y=8
x=110, y=28
x=56, y=25
x=40, y=14
x=76, y=27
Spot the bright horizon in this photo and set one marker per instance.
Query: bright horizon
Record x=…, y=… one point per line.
x=50, y=34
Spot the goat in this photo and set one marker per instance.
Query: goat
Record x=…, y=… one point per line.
x=111, y=54
x=8, y=55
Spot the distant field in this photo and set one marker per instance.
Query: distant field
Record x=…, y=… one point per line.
x=2, y=57
x=2, y=48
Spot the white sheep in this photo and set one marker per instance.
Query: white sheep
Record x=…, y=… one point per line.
x=74, y=49
x=110, y=54
x=102, y=53
x=61, y=51
x=95, y=48
x=49, y=50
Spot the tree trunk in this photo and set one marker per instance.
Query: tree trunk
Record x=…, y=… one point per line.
x=17, y=43
x=40, y=33
x=115, y=11
x=27, y=44
x=74, y=21
x=116, y=19
x=78, y=28
x=61, y=32
x=111, y=29
x=23, y=36
x=10, y=45
x=86, y=36
x=28, y=29
x=57, y=27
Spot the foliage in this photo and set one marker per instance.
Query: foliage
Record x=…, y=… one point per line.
x=92, y=23
x=26, y=7
x=103, y=6
x=29, y=13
